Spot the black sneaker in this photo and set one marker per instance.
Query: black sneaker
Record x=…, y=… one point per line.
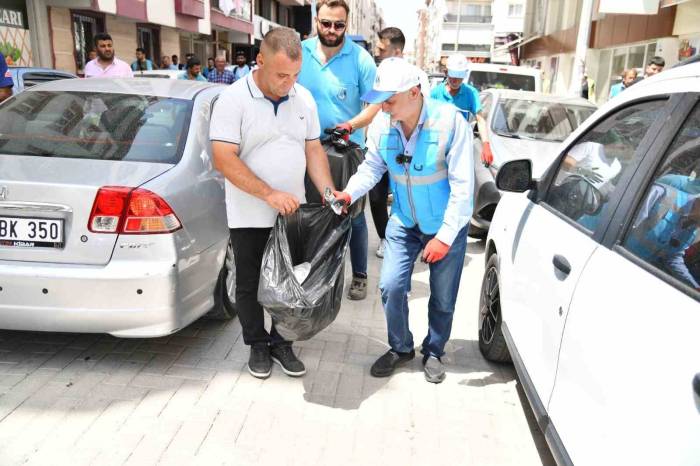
x=389, y=361
x=259, y=363
x=285, y=357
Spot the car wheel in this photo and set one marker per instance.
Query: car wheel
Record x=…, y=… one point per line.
x=492, y=344
x=225, y=291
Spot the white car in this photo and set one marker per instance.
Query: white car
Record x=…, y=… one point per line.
x=163, y=74
x=493, y=76
x=591, y=285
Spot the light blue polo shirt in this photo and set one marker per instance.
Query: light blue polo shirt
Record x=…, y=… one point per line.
x=467, y=97
x=338, y=85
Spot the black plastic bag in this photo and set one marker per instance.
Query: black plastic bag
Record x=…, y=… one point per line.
x=343, y=158
x=314, y=234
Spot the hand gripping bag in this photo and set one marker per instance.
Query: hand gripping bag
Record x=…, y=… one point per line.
x=343, y=158
x=312, y=242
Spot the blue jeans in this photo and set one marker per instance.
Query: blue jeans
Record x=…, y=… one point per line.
x=402, y=248
x=358, y=244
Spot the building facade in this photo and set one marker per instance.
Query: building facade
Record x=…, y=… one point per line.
x=623, y=35
x=508, y=23
x=428, y=45
x=59, y=33
x=467, y=29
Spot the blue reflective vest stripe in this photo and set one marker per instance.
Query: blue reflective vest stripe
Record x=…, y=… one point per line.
x=661, y=233
x=421, y=187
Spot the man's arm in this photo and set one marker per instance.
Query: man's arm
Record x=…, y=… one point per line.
x=227, y=162
x=676, y=265
x=317, y=166
x=365, y=117
x=369, y=172
x=483, y=127
x=460, y=172
x=5, y=93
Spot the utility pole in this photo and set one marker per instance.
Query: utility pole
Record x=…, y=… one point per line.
x=584, y=34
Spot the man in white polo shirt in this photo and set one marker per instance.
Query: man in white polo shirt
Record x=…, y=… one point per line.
x=265, y=136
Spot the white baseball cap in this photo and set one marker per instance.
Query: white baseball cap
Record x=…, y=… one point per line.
x=394, y=75
x=457, y=66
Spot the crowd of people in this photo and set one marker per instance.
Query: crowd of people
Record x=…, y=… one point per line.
x=102, y=62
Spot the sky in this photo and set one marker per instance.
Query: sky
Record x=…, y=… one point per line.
x=402, y=14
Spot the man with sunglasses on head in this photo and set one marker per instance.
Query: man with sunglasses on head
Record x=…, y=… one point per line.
x=338, y=72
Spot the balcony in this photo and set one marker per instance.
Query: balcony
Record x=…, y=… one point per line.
x=241, y=11
x=464, y=19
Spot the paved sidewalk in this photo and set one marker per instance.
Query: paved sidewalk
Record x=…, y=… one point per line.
x=187, y=398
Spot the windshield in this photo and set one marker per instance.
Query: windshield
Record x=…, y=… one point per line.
x=483, y=80
x=97, y=126
x=528, y=119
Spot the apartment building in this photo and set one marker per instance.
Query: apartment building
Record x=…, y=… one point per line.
x=624, y=34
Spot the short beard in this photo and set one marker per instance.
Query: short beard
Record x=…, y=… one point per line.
x=104, y=58
x=327, y=43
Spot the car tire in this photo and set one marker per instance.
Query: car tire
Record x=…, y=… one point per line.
x=224, y=293
x=492, y=344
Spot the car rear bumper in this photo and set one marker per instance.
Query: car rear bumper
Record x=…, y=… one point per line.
x=122, y=298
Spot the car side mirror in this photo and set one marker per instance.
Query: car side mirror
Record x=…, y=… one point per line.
x=515, y=176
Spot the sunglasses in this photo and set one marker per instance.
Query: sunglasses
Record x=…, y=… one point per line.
x=327, y=24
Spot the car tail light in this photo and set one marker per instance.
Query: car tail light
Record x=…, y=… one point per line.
x=131, y=211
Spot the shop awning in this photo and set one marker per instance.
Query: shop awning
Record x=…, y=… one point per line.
x=507, y=46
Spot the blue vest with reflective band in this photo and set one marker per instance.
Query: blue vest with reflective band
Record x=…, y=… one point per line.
x=663, y=232
x=421, y=188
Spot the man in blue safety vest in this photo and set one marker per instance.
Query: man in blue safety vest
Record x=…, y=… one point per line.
x=667, y=225
x=426, y=146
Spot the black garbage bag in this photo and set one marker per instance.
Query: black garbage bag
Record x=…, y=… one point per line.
x=314, y=239
x=343, y=158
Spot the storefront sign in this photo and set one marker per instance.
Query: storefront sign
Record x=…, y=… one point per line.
x=11, y=18
x=15, y=43
x=629, y=7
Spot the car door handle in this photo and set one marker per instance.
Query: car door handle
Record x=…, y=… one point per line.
x=561, y=264
x=696, y=389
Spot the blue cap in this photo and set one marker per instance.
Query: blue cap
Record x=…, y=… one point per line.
x=5, y=76
x=377, y=97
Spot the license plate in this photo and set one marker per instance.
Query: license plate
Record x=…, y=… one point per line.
x=25, y=232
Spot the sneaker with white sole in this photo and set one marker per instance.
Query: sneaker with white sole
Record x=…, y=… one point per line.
x=380, y=249
x=287, y=360
x=259, y=362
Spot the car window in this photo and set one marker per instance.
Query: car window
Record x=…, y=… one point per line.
x=540, y=120
x=665, y=231
x=590, y=171
x=94, y=126
x=483, y=80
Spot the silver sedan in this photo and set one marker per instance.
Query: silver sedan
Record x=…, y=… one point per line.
x=112, y=217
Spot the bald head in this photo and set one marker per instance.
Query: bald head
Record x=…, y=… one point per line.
x=282, y=40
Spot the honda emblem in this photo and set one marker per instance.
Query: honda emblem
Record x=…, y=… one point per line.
x=3, y=193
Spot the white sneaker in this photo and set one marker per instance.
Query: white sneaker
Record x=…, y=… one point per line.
x=380, y=249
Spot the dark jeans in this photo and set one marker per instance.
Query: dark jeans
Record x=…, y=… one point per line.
x=248, y=248
x=377, y=203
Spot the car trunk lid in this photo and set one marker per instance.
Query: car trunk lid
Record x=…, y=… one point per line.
x=61, y=192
